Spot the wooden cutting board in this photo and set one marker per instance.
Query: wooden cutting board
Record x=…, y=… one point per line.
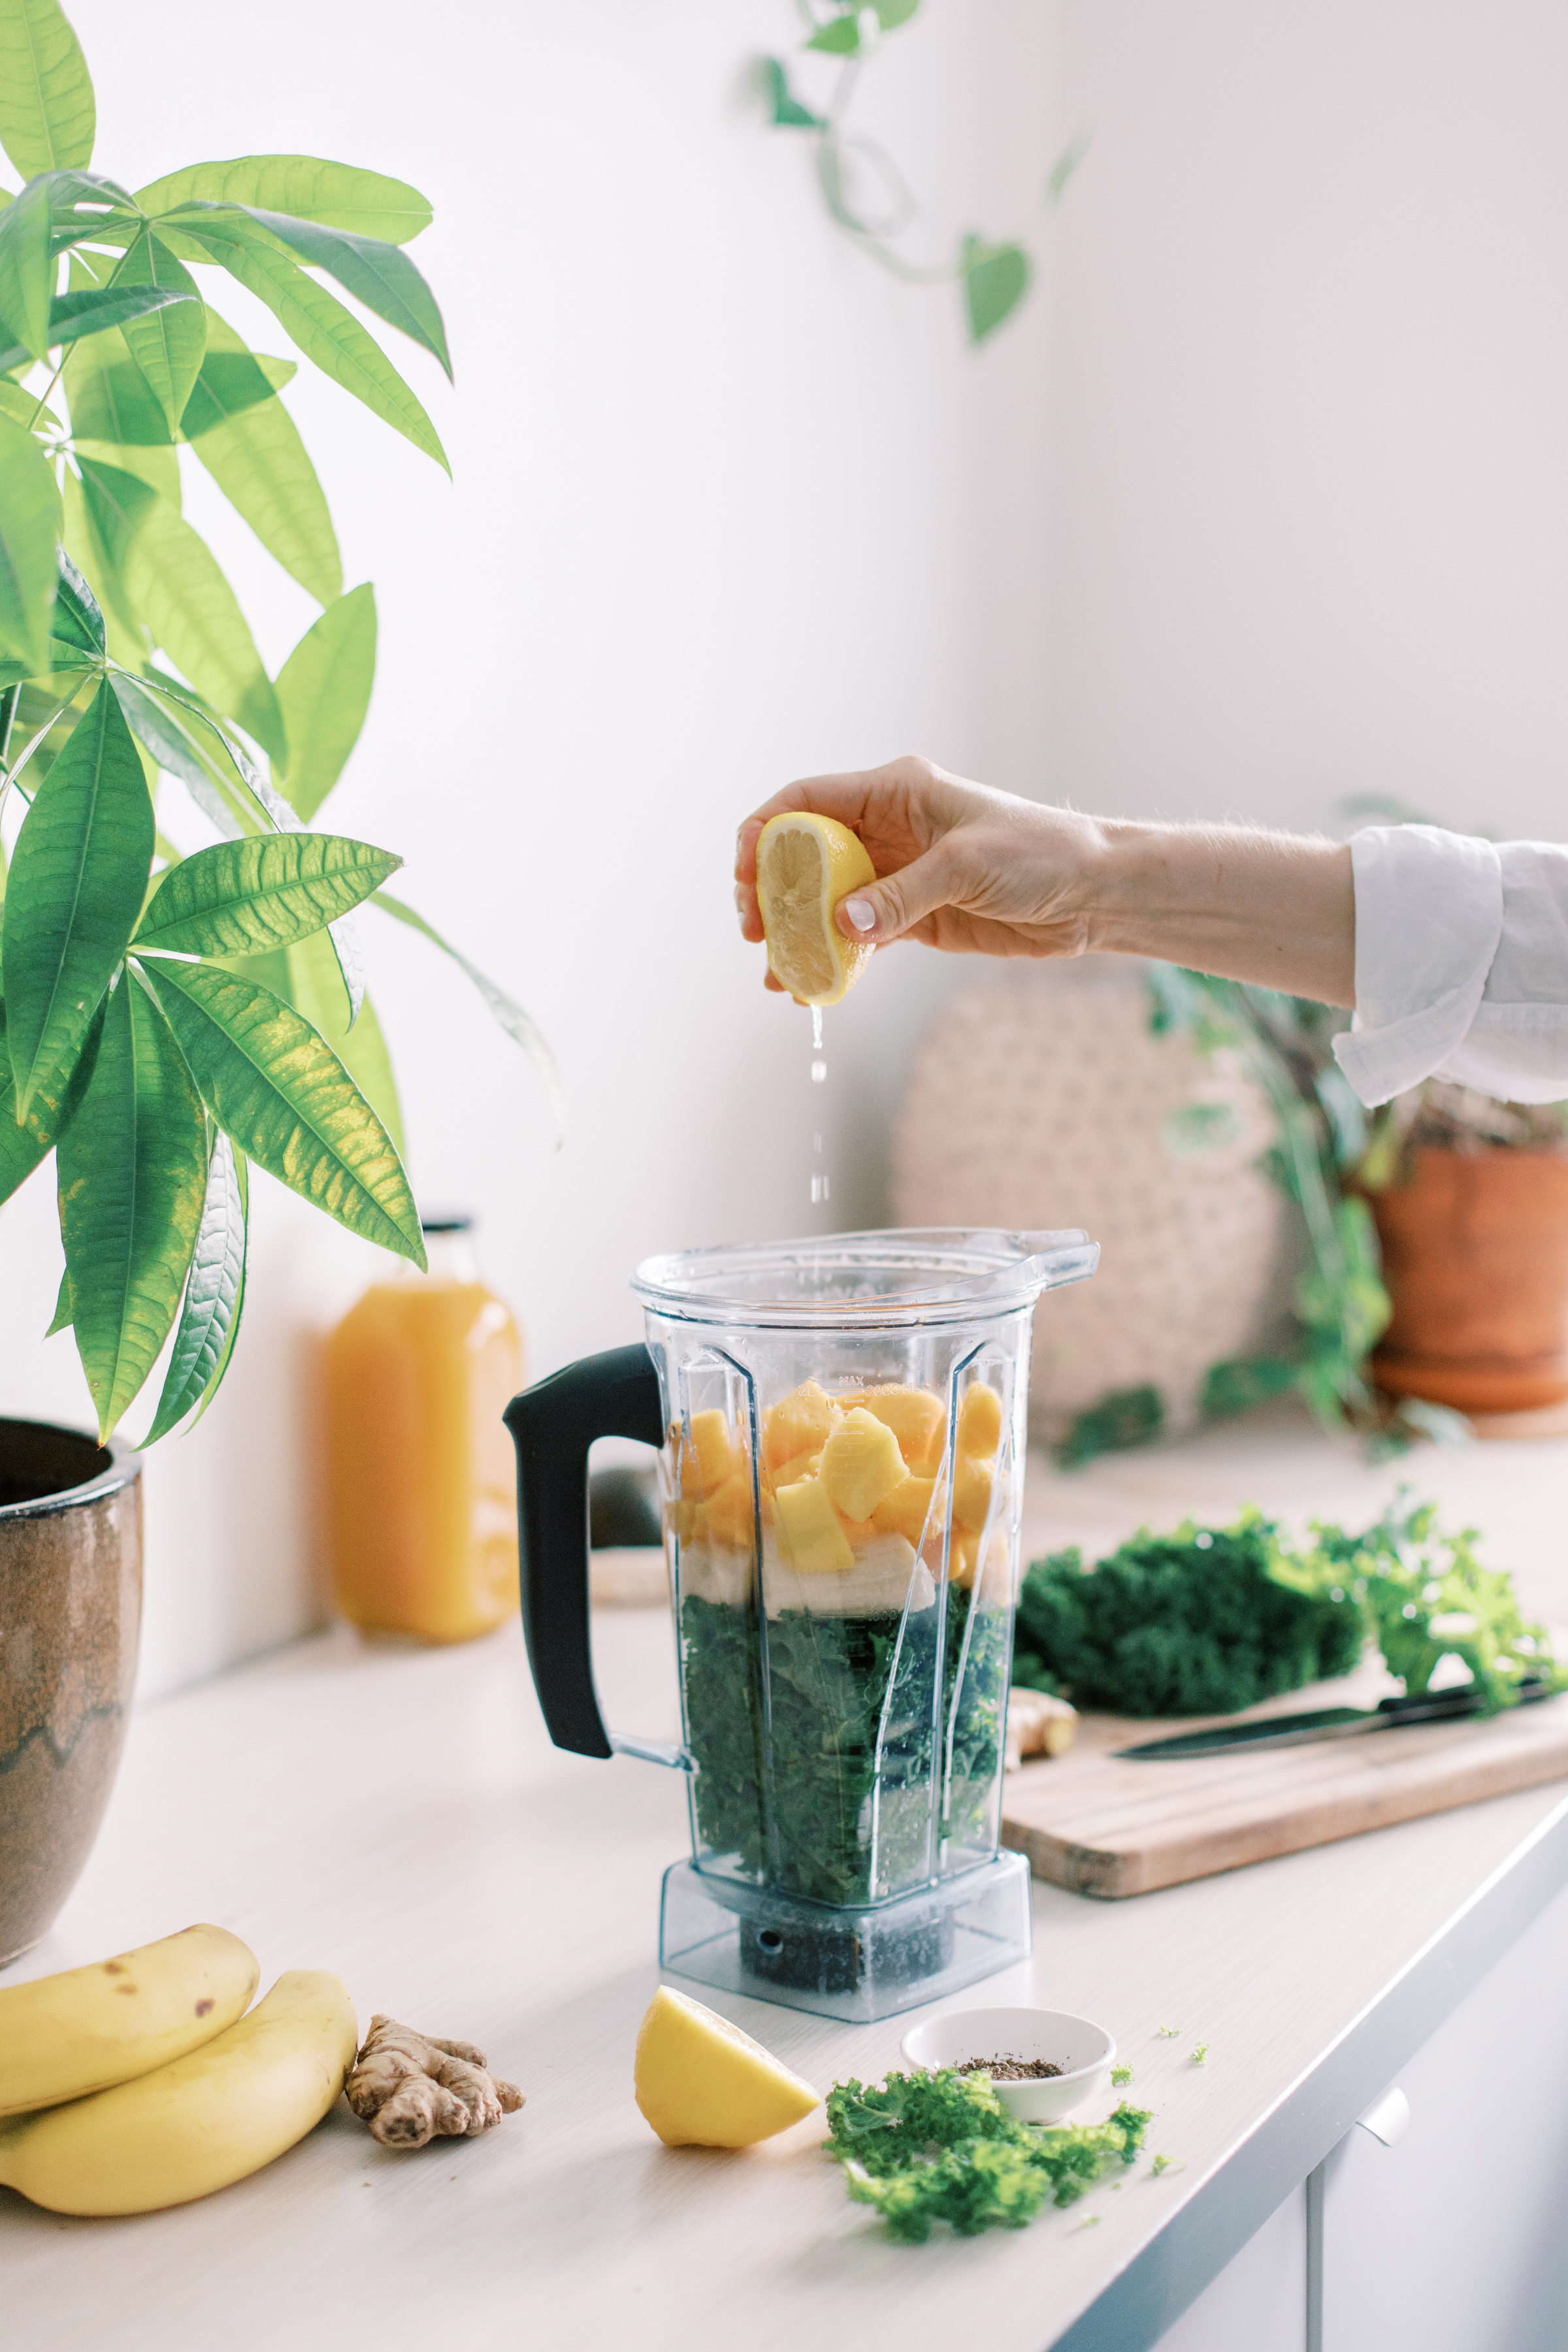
x=1100, y=1825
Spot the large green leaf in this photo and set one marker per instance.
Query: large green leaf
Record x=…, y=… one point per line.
x=174, y=582
x=167, y=345
x=26, y=270
x=71, y=316
x=132, y=1175
x=315, y=987
x=242, y=897
x=305, y=186
x=214, y=1293
x=24, y=407
x=323, y=689
x=256, y=458
x=48, y=1115
x=86, y=207
x=30, y=527
x=111, y=399
x=47, y=112
x=318, y=322
x=86, y=550
x=78, y=877
x=517, y=1024
x=187, y=741
x=375, y=273
x=996, y=280
x=232, y=380
x=279, y=1089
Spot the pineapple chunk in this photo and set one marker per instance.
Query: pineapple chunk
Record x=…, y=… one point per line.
x=730, y=1511
x=800, y=1423
x=710, y=1458
x=802, y=1465
x=915, y=1418
x=979, y=1421
x=861, y=1464
x=972, y=1483
x=905, y=1510
x=810, y=1538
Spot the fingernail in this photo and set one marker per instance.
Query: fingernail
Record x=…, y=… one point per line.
x=861, y=913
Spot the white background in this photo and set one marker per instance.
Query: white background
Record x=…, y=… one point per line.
x=1256, y=507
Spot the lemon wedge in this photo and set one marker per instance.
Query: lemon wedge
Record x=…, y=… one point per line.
x=701, y=2083
x=805, y=864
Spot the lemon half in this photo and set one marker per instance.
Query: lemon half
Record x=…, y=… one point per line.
x=805, y=864
x=701, y=2083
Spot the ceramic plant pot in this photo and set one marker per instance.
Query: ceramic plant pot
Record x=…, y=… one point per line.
x=71, y=1608
x=1474, y=1257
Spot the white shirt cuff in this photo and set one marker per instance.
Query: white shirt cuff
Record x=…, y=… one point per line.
x=1428, y=918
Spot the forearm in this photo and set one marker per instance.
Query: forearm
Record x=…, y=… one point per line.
x=1277, y=909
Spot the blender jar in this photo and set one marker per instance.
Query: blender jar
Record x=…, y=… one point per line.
x=841, y=1425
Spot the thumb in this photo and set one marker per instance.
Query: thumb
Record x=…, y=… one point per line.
x=883, y=910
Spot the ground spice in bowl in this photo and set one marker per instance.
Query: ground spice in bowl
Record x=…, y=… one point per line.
x=1010, y=2070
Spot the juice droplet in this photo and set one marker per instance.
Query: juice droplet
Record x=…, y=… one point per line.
x=819, y=1188
x=816, y=1028
x=818, y=1072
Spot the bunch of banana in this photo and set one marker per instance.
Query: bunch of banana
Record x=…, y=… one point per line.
x=141, y=2082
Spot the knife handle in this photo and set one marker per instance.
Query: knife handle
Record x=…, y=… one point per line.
x=1436, y=1706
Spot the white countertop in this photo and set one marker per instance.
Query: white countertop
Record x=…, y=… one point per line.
x=400, y=1817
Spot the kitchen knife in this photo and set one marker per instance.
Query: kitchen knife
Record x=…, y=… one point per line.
x=1323, y=1723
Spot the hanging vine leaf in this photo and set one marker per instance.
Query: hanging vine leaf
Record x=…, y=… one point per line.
x=133, y=1172
x=996, y=280
x=47, y=116
x=788, y=113
x=78, y=877
x=281, y=1092
x=215, y=1291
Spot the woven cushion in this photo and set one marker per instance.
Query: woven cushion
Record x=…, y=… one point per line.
x=1041, y=1097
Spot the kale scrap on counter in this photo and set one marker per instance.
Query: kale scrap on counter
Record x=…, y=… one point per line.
x=1206, y=1621
x=941, y=2146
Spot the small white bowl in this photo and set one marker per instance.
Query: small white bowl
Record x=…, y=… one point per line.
x=1084, y=2052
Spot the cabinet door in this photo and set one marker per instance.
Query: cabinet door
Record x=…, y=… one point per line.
x=1456, y=2239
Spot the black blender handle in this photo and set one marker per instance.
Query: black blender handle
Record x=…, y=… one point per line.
x=553, y=1424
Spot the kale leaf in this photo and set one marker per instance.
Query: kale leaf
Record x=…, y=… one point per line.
x=928, y=2147
x=1193, y=1622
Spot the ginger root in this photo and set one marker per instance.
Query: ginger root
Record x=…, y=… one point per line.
x=411, y=2088
x=1038, y=1725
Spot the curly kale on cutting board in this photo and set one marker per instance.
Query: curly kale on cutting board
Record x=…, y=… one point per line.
x=1207, y=1620
x=1188, y=1623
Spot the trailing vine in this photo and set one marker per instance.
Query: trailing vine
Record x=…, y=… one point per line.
x=993, y=274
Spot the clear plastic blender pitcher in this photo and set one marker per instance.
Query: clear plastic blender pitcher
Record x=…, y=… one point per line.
x=841, y=1430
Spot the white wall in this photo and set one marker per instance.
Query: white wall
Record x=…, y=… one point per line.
x=1311, y=475
x=730, y=506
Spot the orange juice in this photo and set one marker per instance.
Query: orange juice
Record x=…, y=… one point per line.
x=421, y=1477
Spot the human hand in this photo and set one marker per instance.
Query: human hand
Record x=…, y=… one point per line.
x=959, y=867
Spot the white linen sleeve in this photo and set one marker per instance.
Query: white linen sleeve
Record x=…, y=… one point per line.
x=1461, y=965
x=1429, y=916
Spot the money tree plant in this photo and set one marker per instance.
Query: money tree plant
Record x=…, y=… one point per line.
x=166, y=1019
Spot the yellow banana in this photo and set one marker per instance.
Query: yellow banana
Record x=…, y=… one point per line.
x=221, y=2112
x=63, y=2036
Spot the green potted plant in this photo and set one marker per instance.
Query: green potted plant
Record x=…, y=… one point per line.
x=171, y=1016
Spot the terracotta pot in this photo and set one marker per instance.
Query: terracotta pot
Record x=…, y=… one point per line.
x=1475, y=1256
x=70, y=1609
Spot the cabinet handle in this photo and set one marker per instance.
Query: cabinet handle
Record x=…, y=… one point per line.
x=1387, y=2118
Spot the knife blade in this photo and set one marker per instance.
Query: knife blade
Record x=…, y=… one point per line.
x=1323, y=1723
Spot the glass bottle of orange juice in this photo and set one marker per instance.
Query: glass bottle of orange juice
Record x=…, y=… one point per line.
x=421, y=1476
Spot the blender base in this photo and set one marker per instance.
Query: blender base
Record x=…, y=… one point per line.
x=855, y=1965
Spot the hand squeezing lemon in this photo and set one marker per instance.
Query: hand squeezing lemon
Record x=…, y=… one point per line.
x=805, y=864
